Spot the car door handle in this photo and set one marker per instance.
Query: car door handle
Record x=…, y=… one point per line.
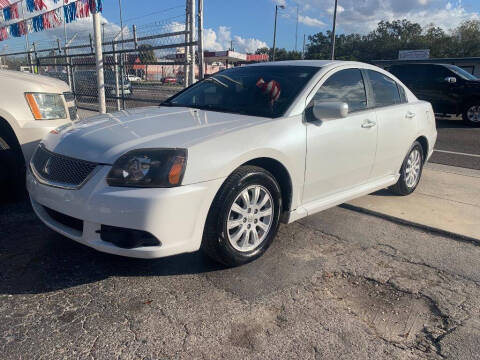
x=410, y=115
x=367, y=124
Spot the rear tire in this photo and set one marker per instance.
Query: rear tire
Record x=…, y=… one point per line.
x=411, y=171
x=244, y=217
x=471, y=114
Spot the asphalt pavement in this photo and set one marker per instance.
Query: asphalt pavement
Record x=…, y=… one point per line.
x=458, y=144
x=338, y=285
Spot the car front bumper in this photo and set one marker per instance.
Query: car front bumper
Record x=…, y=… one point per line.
x=175, y=216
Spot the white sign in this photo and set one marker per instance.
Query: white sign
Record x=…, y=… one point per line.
x=414, y=54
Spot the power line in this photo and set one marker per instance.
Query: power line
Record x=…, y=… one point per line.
x=154, y=13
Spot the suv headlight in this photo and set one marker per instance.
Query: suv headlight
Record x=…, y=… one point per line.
x=46, y=106
x=149, y=168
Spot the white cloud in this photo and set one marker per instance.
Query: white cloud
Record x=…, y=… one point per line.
x=249, y=45
x=280, y=2
x=363, y=16
x=221, y=40
x=340, y=9
x=309, y=21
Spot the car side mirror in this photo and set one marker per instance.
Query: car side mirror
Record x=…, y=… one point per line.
x=329, y=110
x=451, y=79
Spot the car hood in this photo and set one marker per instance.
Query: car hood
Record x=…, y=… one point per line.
x=104, y=138
x=32, y=82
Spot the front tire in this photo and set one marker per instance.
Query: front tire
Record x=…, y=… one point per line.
x=411, y=171
x=12, y=179
x=244, y=217
x=471, y=114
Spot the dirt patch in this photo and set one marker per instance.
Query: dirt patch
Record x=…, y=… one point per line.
x=396, y=316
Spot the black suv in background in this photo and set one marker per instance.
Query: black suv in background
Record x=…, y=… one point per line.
x=450, y=89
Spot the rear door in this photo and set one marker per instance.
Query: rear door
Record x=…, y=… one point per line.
x=340, y=152
x=396, y=121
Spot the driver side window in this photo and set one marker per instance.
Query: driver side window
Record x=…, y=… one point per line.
x=344, y=86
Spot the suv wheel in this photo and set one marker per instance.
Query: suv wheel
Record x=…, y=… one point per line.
x=411, y=171
x=244, y=217
x=471, y=115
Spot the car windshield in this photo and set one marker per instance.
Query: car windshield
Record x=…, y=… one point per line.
x=265, y=91
x=462, y=73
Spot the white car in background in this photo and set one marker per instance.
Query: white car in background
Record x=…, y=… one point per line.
x=219, y=165
x=30, y=107
x=134, y=78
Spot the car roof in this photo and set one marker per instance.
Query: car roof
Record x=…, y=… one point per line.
x=421, y=63
x=314, y=63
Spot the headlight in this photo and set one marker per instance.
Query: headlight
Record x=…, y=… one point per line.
x=149, y=168
x=46, y=106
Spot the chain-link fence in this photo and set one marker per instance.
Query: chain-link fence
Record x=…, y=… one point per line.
x=143, y=65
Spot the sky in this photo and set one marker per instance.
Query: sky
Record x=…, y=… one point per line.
x=249, y=23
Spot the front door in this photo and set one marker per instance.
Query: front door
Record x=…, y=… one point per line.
x=340, y=152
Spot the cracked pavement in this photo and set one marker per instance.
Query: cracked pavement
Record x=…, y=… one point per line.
x=337, y=285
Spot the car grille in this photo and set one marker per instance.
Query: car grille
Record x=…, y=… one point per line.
x=61, y=171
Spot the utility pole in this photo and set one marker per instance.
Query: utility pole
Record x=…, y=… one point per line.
x=303, y=50
x=275, y=29
x=102, y=107
x=201, y=59
x=122, y=55
x=187, y=40
x=333, y=31
x=296, y=32
x=192, y=39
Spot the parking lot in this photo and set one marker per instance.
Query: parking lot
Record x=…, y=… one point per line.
x=336, y=285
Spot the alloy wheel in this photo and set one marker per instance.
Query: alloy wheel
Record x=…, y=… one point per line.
x=250, y=218
x=412, y=170
x=473, y=113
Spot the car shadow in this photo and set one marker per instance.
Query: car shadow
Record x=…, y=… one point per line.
x=383, y=192
x=35, y=259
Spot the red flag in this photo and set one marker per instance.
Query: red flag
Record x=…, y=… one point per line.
x=4, y=3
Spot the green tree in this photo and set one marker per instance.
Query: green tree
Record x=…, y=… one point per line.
x=390, y=37
x=147, y=56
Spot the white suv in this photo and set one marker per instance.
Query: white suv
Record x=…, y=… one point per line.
x=30, y=107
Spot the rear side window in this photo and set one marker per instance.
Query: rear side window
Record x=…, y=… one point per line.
x=410, y=74
x=344, y=86
x=403, y=95
x=438, y=73
x=385, y=89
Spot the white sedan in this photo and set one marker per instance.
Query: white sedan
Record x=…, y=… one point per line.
x=219, y=165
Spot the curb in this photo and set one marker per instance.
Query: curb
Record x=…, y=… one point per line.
x=397, y=220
